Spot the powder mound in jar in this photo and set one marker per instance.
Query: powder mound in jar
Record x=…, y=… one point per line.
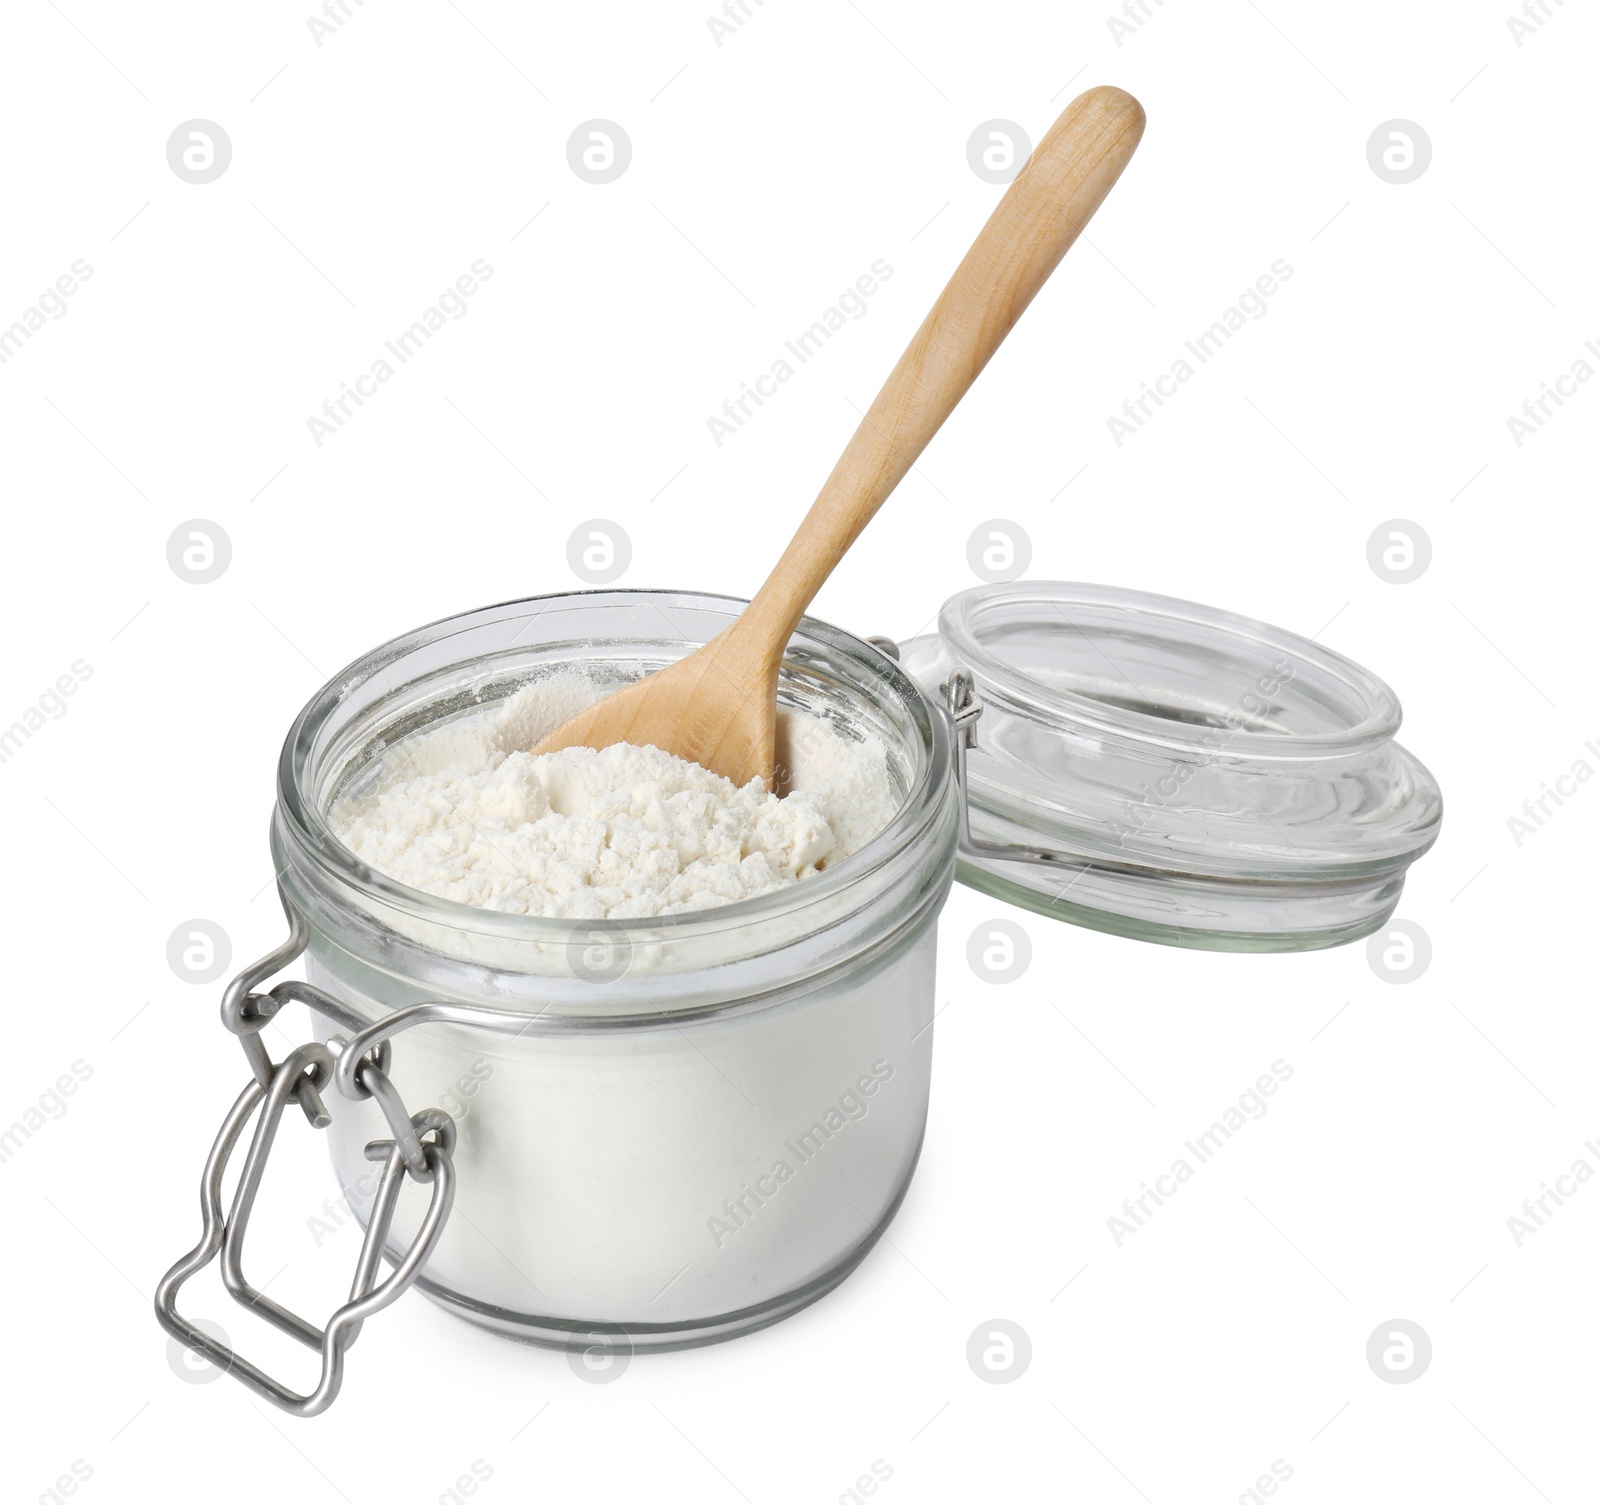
x=627, y=832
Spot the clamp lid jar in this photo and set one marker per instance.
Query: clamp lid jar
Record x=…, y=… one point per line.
x=1166, y=771
x=702, y=1138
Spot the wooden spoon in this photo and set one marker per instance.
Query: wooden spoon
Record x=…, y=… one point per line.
x=719, y=706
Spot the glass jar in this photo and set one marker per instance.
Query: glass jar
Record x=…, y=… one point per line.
x=705, y=1120
x=662, y=1132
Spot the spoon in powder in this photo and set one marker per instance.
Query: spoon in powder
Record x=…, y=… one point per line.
x=719, y=706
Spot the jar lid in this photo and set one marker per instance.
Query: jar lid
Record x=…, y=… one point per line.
x=1163, y=770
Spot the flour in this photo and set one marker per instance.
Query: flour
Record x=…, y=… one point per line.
x=466, y=813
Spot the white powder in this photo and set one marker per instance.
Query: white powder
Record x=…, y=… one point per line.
x=466, y=813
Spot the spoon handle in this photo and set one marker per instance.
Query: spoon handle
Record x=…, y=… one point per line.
x=1031, y=229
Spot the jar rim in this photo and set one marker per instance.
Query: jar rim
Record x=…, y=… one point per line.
x=1371, y=709
x=303, y=814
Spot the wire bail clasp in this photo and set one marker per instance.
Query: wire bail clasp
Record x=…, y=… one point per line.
x=430, y=1137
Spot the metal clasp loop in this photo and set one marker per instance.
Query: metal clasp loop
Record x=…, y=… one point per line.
x=246, y=1013
x=310, y=1064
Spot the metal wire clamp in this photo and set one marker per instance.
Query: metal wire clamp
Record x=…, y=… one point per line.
x=421, y=1147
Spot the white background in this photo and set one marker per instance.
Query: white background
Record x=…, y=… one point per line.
x=768, y=173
